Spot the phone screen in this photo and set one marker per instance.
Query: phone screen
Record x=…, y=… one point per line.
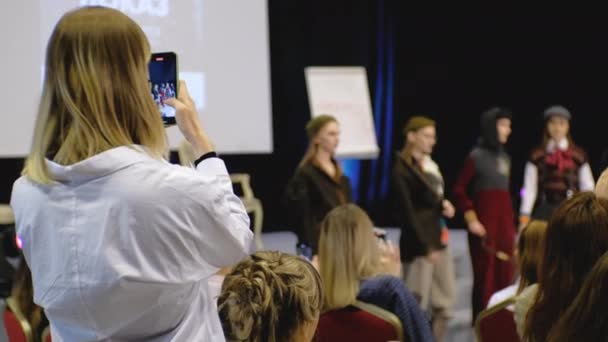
x=304, y=251
x=163, y=83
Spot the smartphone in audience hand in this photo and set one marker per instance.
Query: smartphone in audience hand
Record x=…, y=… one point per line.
x=304, y=251
x=163, y=83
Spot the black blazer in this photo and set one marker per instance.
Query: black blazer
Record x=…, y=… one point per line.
x=417, y=209
x=311, y=194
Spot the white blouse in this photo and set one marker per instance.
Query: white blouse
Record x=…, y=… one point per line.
x=530, y=189
x=122, y=244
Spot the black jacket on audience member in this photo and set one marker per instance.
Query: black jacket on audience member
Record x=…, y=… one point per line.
x=311, y=194
x=416, y=209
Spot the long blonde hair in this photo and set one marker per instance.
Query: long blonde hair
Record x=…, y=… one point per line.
x=269, y=296
x=95, y=96
x=313, y=127
x=348, y=253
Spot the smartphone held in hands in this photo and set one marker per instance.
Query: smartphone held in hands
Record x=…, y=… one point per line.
x=304, y=251
x=163, y=83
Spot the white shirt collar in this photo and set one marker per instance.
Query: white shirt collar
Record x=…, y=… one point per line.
x=98, y=165
x=562, y=145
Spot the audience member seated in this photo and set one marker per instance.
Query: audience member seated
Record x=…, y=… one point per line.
x=601, y=188
x=528, y=255
x=577, y=236
x=585, y=319
x=22, y=293
x=271, y=297
x=352, y=268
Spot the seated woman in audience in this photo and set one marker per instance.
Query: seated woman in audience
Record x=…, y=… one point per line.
x=577, y=236
x=586, y=319
x=352, y=269
x=23, y=294
x=529, y=253
x=271, y=297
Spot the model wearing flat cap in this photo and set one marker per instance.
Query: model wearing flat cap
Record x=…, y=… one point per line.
x=556, y=170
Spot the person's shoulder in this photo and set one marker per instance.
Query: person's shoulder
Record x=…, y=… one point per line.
x=578, y=154
x=526, y=296
x=23, y=188
x=22, y=183
x=305, y=170
x=384, y=282
x=385, y=289
x=537, y=153
x=302, y=175
x=344, y=180
x=154, y=179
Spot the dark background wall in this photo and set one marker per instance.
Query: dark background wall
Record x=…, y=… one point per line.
x=447, y=65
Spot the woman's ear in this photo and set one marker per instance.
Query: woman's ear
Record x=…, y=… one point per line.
x=410, y=137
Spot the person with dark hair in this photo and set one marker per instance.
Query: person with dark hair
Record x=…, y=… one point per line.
x=318, y=184
x=271, y=297
x=418, y=206
x=577, y=236
x=556, y=170
x=585, y=319
x=482, y=194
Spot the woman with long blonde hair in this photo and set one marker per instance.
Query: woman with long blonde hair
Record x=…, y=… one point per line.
x=120, y=242
x=356, y=265
x=318, y=184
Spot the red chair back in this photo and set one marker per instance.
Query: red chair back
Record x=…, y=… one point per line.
x=17, y=327
x=496, y=324
x=13, y=328
x=353, y=324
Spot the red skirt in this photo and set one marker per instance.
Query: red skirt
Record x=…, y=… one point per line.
x=490, y=274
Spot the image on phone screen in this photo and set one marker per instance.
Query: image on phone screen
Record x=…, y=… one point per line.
x=163, y=83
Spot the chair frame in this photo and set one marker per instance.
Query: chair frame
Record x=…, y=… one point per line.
x=384, y=315
x=489, y=312
x=6, y=215
x=12, y=306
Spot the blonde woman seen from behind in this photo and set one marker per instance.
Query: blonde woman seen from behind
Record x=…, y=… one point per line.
x=271, y=297
x=351, y=269
x=121, y=243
